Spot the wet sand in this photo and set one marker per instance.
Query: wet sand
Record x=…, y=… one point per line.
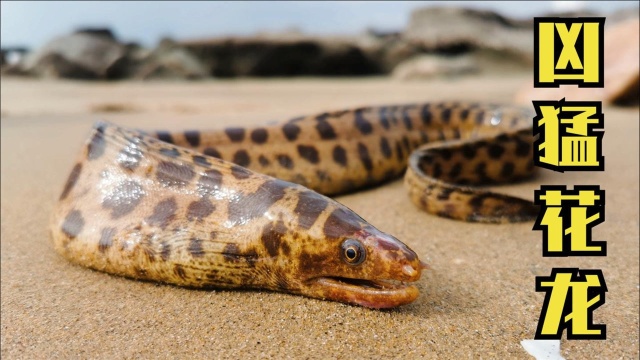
x=477, y=301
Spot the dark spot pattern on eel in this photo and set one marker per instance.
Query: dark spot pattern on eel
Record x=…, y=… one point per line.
x=235, y=134
x=73, y=224
x=210, y=181
x=124, y=198
x=201, y=160
x=71, y=181
x=106, y=238
x=129, y=157
x=272, y=235
x=310, y=206
x=342, y=223
x=170, y=152
x=212, y=152
x=241, y=157
x=263, y=161
x=325, y=130
x=163, y=213
x=340, y=155
x=192, y=137
x=240, y=173
x=195, y=248
x=97, y=144
x=385, y=148
x=253, y=205
x=165, y=136
x=285, y=161
x=361, y=123
x=291, y=131
x=172, y=174
x=259, y=135
x=309, y=153
x=199, y=210
x=363, y=153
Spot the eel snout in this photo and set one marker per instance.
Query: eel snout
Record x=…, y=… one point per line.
x=383, y=278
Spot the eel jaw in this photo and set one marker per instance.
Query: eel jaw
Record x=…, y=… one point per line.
x=376, y=294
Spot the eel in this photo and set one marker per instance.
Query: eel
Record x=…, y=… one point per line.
x=244, y=207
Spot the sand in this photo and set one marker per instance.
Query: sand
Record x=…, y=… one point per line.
x=477, y=301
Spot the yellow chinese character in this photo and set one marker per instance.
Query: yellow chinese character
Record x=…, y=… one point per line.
x=567, y=136
x=566, y=219
x=574, y=313
x=569, y=51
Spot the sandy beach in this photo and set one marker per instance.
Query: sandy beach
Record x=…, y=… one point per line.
x=478, y=300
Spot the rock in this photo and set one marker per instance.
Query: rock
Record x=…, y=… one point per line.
x=170, y=61
x=430, y=66
x=621, y=71
x=104, y=33
x=622, y=15
x=54, y=65
x=11, y=59
x=485, y=61
x=294, y=55
x=454, y=30
x=567, y=14
x=79, y=56
x=392, y=53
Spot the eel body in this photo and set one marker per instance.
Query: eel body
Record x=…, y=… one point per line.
x=242, y=207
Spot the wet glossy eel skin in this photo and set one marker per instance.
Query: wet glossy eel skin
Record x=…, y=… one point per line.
x=227, y=214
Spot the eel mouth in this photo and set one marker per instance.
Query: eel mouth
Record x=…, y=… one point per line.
x=377, y=294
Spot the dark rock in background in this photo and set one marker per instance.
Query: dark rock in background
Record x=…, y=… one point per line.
x=453, y=30
x=104, y=33
x=268, y=56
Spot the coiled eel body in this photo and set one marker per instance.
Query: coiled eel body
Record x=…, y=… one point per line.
x=241, y=207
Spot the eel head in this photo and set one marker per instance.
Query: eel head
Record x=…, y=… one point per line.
x=356, y=263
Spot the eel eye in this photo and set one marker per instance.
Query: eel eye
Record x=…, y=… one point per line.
x=353, y=253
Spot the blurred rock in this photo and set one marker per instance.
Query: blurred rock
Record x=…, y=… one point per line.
x=12, y=59
x=455, y=30
x=54, y=65
x=104, y=33
x=169, y=61
x=483, y=61
x=622, y=15
x=13, y=70
x=430, y=66
x=79, y=56
x=294, y=55
x=621, y=71
x=567, y=14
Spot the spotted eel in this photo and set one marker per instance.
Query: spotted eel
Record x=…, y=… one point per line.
x=242, y=207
